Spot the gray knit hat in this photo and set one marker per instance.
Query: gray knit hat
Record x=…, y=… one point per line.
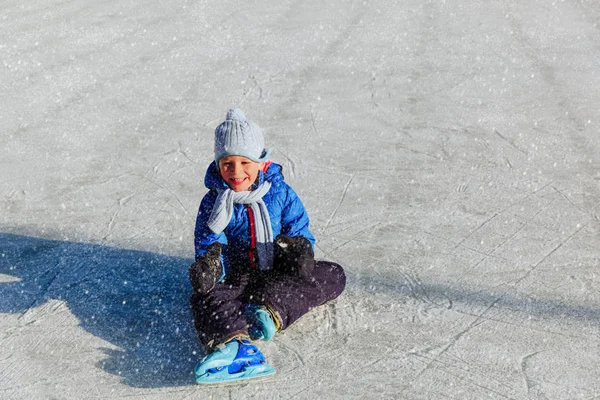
x=237, y=136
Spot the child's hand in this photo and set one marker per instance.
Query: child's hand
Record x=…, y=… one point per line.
x=207, y=269
x=294, y=256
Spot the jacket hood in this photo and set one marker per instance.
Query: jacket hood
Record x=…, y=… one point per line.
x=213, y=180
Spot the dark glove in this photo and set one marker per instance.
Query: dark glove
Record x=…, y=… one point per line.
x=207, y=269
x=294, y=256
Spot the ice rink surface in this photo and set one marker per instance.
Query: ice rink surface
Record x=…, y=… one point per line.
x=447, y=153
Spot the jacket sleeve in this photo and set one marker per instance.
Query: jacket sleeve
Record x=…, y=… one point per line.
x=203, y=236
x=294, y=218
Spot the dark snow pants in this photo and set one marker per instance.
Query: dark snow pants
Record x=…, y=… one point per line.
x=219, y=315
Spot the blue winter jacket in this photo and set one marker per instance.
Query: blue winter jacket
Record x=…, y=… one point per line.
x=286, y=211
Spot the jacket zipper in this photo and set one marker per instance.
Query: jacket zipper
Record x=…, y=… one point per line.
x=252, y=249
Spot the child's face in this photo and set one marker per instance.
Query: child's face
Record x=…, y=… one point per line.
x=239, y=172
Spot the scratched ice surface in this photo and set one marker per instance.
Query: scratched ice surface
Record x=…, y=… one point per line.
x=447, y=153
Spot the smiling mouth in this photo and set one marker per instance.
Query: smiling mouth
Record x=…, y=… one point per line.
x=237, y=181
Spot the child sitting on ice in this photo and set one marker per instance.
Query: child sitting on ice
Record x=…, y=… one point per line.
x=255, y=272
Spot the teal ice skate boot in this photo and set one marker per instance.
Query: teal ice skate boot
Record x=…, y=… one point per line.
x=237, y=360
x=262, y=323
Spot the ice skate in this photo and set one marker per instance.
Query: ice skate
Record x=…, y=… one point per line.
x=262, y=324
x=238, y=360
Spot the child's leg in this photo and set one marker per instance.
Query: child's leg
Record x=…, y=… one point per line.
x=290, y=297
x=218, y=315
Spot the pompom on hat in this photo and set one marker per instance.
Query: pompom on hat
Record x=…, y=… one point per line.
x=238, y=136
